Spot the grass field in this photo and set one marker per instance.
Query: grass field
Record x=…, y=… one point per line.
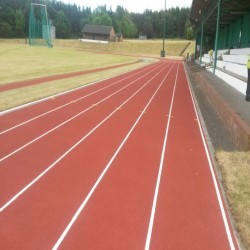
x=19, y=62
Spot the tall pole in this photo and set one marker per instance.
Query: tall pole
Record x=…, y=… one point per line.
x=202, y=33
x=164, y=30
x=217, y=35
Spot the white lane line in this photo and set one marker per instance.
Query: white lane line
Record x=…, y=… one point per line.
x=72, y=101
x=80, y=209
x=152, y=216
x=73, y=147
x=70, y=119
x=222, y=209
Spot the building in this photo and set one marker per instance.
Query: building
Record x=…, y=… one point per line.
x=99, y=32
x=220, y=24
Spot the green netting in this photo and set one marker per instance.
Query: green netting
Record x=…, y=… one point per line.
x=245, y=32
x=234, y=34
x=223, y=38
x=39, y=26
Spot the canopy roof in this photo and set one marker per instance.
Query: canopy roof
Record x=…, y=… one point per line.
x=231, y=10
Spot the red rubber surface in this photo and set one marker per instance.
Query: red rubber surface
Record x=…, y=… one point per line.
x=25, y=83
x=104, y=163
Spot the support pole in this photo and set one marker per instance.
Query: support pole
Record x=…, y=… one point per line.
x=202, y=33
x=196, y=41
x=164, y=31
x=217, y=36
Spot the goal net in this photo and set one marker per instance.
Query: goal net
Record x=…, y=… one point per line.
x=39, y=26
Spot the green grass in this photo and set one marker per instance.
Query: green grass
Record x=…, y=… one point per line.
x=235, y=169
x=19, y=62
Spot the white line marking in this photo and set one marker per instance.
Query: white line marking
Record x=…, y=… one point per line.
x=73, y=147
x=80, y=209
x=72, y=101
x=151, y=221
x=70, y=119
x=223, y=213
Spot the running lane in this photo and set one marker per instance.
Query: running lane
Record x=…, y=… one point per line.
x=189, y=212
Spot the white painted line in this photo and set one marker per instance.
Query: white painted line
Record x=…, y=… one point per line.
x=70, y=119
x=152, y=216
x=71, y=102
x=73, y=147
x=80, y=209
x=222, y=209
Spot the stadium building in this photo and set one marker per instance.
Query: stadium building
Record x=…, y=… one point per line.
x=224, y=27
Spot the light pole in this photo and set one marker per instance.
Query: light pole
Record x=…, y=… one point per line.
x=164, y=30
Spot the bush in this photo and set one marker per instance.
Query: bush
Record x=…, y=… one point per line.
x=6, y=30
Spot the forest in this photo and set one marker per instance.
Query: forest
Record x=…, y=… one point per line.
x=69, y=20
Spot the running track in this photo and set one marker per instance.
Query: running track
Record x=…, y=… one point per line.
x=121, y=164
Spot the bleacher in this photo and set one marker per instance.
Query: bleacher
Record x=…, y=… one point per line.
x=231, y=66
x=231, y=61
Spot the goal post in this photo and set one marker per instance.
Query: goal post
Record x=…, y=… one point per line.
x=39, y=26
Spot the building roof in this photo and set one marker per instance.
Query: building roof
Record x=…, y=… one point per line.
x=231, y=10
x=97, y=29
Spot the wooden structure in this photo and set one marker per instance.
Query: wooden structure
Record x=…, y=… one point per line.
x=99, y=32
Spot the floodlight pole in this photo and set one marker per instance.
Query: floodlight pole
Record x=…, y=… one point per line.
x=217, y=35
x=202, y=33
x=164, y=30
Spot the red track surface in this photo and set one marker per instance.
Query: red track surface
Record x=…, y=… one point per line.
x=25, y=83
x=121, y=164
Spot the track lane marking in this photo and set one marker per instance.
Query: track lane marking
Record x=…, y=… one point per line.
x=72, y=101
x=152, y=215
x=216, y=186
x=70, y=119
x=85, y=201
x=74, y=146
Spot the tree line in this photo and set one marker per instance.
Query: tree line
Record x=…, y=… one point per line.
x=69, y=20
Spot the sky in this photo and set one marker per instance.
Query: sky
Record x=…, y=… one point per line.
x=132, y=5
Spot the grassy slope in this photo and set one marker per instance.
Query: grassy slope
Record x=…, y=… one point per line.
x=135, y=47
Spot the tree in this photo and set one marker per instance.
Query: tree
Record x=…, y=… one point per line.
x=189, y=32
x=8, y=16
x=128, y=28
x=102, y=19
x=20, y=23
x=6, y=30
x=70, y=19
x=148, y=27
x=62, y=25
